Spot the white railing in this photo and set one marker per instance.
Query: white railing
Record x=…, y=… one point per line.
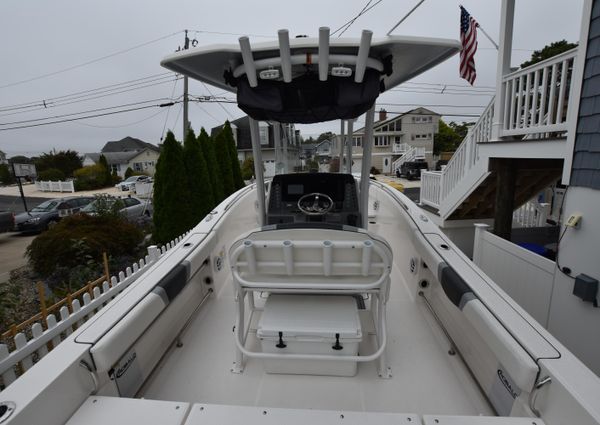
x=400, y=147
x=411, y=154
x=467, y=153
x=529, y=277
x=27, y=352
x=531, y=214
x=537, y=97
x=431, y=188
x=58, y=186
x=465, y=157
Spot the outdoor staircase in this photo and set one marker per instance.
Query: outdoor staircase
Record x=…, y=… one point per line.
x=532, y=123
x=412, y=154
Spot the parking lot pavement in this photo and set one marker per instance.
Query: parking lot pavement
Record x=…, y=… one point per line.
x=12, y=252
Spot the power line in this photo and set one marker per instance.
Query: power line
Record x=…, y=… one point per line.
x=364, y=10
x=123, y=125
x=462, y=86
x=231, y=33
x=89, y=116
x=51, y=99
x=206, y=112
x=99, y=96
x=222, y=107
x=70, y=68
x=168, y=112
x=432, y=105
x=424, y=91
x=82, y=112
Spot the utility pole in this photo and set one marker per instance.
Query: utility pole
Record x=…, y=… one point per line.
x=186, y=123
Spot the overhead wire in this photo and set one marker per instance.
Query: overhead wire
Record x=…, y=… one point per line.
x=348, y=24
x=70, y=68
x=50, y=99
x=222, y=107
x=88, y=116
x=99, y=96
x=162, y=135
x=82, y=112
x=122, y=125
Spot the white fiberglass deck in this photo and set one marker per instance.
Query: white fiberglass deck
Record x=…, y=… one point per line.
x=426, y=379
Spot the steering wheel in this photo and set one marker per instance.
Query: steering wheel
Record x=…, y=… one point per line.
x=315, y=204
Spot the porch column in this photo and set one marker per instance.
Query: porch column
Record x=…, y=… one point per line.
x=277, y=141
x=365, y=181
x=507, y=15
x=349, y=146
x=342, y=139
x=258, y=171
x=506, y=179
x=287, y=137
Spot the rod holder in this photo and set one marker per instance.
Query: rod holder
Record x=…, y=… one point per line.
x=288, y=257
x=250, y=256
x=366, y=255
x=323, y=53
x=363, y=54
x=327, y=249
x=248, y=60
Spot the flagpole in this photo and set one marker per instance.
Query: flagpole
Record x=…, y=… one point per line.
x=488, y=37
x=483, y=31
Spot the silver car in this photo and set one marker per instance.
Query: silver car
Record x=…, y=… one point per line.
x=129, y=183
x=130, y=207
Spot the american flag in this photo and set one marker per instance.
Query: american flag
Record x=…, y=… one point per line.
x=468, y=38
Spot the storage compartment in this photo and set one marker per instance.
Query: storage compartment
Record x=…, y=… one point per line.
x=310, y=324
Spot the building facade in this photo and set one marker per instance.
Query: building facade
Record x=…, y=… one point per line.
x=392, y=137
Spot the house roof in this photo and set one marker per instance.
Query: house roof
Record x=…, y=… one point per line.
x=128, y=144
x=419, y=111
x=113, y=157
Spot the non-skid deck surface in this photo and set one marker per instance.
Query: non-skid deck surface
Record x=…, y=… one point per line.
x=426, y=380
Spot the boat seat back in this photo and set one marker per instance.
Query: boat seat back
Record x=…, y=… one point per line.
x=311, y=259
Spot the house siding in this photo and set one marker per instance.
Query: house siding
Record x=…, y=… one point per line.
x=586, y=158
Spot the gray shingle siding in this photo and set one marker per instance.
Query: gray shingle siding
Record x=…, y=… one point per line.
x=586, y=158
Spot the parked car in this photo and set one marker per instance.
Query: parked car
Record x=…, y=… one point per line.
x=48, y=213
x=129, y=183
x=412, y=170
x=7, y=221
x=130, y=207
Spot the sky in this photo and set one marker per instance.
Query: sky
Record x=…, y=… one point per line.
x=54, y=54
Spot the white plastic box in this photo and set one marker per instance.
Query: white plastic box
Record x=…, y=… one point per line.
x=308, y=325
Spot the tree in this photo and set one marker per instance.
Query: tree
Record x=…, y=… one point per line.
x=5, y=175
x=309, y=140
x=214, y=172
x=20, y=159
x=549, y=51
x=172, y=212
x=248, y=168
x=129, y=172
x=66, y=161
x=107, y=176
x=238, y=181
x=446, y=139
x=224, y=161
x=201, y=195
x=462, y=128
x=325, y=136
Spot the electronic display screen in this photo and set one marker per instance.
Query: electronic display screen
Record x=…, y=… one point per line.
x=295, y=189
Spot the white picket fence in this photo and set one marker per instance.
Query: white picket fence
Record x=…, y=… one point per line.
x=27, y=352
x=58, y=186
x=531, y=214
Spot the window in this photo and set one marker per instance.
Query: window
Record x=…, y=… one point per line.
x=130, y=202
x=421, y=136
x=357, y=141
x=399, y=125
x=263, y=132
x=137, y=166
x=382, y=141
x=115, y=168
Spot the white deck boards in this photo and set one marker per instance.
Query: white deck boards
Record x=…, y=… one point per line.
x=426, y=380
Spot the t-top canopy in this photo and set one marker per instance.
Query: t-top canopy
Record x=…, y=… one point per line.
x=307, y=80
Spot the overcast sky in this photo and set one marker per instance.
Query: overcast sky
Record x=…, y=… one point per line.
x=47, y=37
